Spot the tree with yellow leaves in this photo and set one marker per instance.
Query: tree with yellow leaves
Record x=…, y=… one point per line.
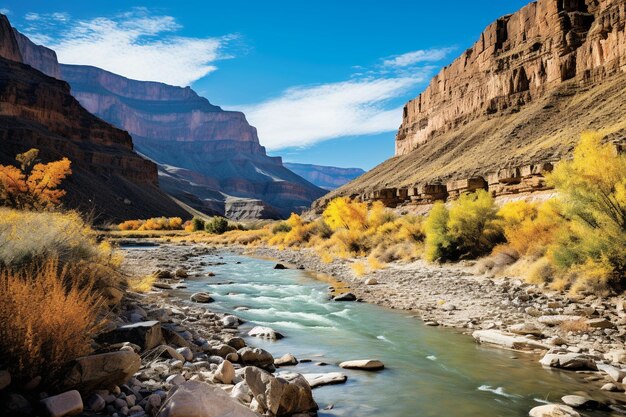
x=33, y=185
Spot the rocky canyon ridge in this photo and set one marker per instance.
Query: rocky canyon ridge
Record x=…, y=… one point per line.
x=510, y=106
x=38, y=111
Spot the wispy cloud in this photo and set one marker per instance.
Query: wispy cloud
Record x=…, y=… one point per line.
x=417, y=57
x=136, y=44
x=369, y=103
x=4, y=10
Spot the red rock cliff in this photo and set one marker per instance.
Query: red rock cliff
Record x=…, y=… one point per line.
x=518, y=59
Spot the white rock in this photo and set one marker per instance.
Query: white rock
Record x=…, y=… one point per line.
x=617, y=356
x=508, y=340
x=553, y=410
x=230, y=321
x=318, y=380
x=371, y=281
x=265, y=333
x=364, y=364
x=573, y=361
x=65, y=404
x=616, y=374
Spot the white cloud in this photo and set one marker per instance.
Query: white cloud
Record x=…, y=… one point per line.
x=136, y=44
x=305, y=115
x=417, y=57
x=4, y=10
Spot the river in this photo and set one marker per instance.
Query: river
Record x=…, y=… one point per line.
x=429, y=371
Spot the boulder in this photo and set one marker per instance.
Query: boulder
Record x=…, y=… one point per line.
x=365, y=365
x=572, y=361
x=277, y=396
x=578, y=401
x=286, y=360
x=145, y=334
x=616, y=374
x=508, y=340
x=225, y=372
x=65, y=404
x=345, y=297
x=331, y=378
x=553, y=410
x=102, y=371
x=256, y=357
x=230, y=321
x=371, y=281
x=198, y=399
x=616, y=356
x=280, y=266
x=525, y=329
x=600, y=323
x=201, y=297
x=265, y=333
x=236, y=342
x=181, y=273
x=221, y=350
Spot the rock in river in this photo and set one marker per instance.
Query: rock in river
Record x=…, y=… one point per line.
x=265, y=333
x=317, y=380
x=572, y=361
x=345, y=297
x=364, y=364
x=286, y=360
x=553, y=410
x=202, y=297
x=508, y=340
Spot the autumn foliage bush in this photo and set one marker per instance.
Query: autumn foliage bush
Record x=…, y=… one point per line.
x=155, y=223
x=47, y=316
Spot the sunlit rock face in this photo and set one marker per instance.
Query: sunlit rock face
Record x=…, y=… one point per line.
x=518, y=59
x=38, y=111
x=207, y=155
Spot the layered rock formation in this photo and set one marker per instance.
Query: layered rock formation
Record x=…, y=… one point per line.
x=325, y=177
x=511, y=105
x=211, y=159
x=38, y=111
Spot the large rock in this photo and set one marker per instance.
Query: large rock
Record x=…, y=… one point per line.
x=615, y=373
x=572, y=361
x=102, y=371
x=330, y=378
x=617, y=356
x=345, y=297
x=256, y=357
x=508, y=340
x=364, y=364
x=265, y=333
x=225, y=372
x=201, y=297
x=278, y=396
x=145, y=334
x=65, y=404
x=197, y=399
x=286, y=360
x=553, y=410
x=555, y=320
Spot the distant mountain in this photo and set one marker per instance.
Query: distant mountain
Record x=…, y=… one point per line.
x=38, y=111
x=325, y=177
x=208, y=157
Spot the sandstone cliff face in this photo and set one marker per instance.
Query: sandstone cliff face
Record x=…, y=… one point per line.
x=38, y=111
x=508, y=108
x=518, y=59
x=214, y=153
x=37, y=56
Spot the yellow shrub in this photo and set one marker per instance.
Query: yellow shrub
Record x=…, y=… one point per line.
x=374, y=263
x=141, y=284
x=47, y=319
x=359, y=269
x=344, y=213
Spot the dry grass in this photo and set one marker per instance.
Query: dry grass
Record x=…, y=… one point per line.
x=359, y=269
x=141, y=284
x=47, y=318
x=575, y=326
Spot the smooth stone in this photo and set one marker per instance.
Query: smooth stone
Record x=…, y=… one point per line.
x=102, y=371
x=280, y=266
x=371, y=281
x=65, y=404
x=198, y=399
x=201, y=297
x=574, y=361
x=616, y=356
x=525, y=329
x=286, y=360
x=225, y=372
x=318, y=380
x=230, y=321
x=578, y=401
x=508, y=340
x=553, y=410
x=345, y=297
x=265, y=333
x=616, y=374
x=364, y=364
x=96, y=403
x=257, y=357
x=186, y=353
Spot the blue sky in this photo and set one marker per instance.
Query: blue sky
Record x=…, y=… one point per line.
x=324, y=82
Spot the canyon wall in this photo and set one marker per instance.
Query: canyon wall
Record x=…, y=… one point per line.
x=510, y=107
x=38, y=111
x=516, y=60
x=208, y=157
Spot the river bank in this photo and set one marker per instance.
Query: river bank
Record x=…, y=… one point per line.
x=449, y=296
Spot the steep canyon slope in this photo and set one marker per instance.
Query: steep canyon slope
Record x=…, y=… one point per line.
x=509, y=106
x=38, y=111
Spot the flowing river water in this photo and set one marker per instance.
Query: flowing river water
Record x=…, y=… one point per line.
x=429, y=371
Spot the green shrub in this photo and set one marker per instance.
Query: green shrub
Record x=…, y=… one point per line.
x=436, y=230
x=197, y=224
x=217, y=225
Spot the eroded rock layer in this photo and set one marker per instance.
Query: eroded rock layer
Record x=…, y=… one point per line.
x=513, y=104
x=38, y=111
x=207, y=155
